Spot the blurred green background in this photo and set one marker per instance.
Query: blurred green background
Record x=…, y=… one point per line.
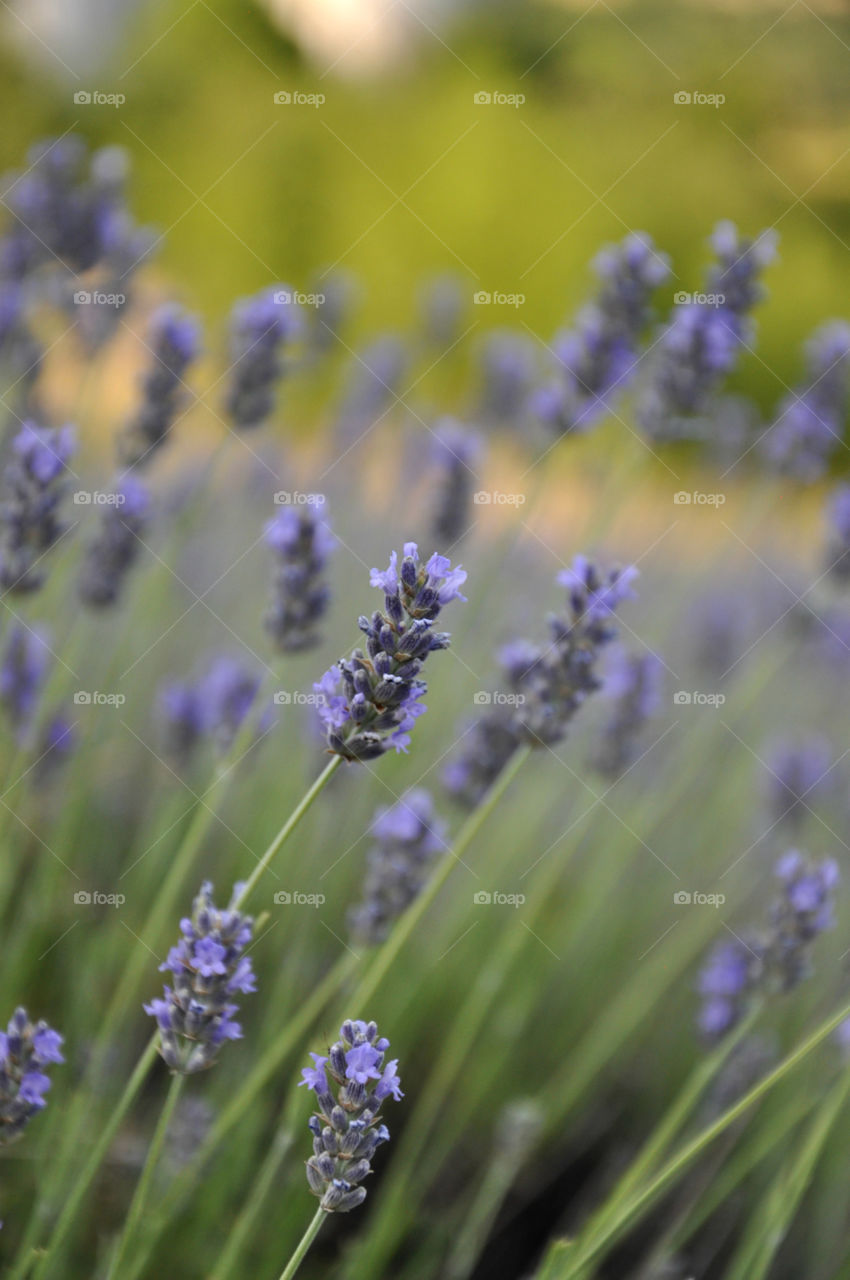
x=399, y=173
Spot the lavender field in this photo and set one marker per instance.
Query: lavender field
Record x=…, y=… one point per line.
x=425, y=582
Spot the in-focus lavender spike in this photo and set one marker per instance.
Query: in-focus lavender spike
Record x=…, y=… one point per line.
x=27, y=1049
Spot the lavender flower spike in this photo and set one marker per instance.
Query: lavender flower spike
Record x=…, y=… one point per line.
x=301, y=542
x=775, y=959
x=838, y=547
x=23, y=668
x=409, y=835
x=457, y=451
x=809, y=424
x=116, y=546
x=259, y=328
x=174, y=339
x=634, y=685
x=370, y=701
x=208, y=968
x=350, y=1083
x=34, y=481
x=26, y=1049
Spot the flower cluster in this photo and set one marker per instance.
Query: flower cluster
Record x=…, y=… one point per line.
x=26, y=1049
x=598, y=355
x=260, y=326
x=410, y=835
x=798, y=773
x=213, y=707
x=370, y=701
x=456, y=451
x=776, y=959
x=116, y=545
x=34, y=482
x=809, y=424
x=173, y=339
x=703, y=340
x=301, y=542
x=23, y=669
x=208, y=968
x=634, y=686
x=350, y=1082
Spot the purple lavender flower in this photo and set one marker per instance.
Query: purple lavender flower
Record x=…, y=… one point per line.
x=838, y=547
x=487, y=745
x=116, y=546
x=260, y=327
x=174, y=339
x=634, y=685
x=776, y=959
x=34, y=482
x=507, y=370
x=798, y=775
x=409, y=835
x=703, y=340
x=457, y=452
x=56, y=743
x=23, y=669
x=374, y=378
x=27, y=1049
x=301, y=542
x=371, y=700
x=195, y=1015
x=597, y=357
x=181, y=716
x=227, y=691
x=351, y=1083
x=809, y=424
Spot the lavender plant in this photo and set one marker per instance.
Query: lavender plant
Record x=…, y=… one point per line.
x=301, y=541
x=261, y=327
x=457, y=452
x=34, y=482
x=27, y=1049
x=115, y=547
x=371, y=700
x=173, y=340
x=809, y=422
x=633, y=684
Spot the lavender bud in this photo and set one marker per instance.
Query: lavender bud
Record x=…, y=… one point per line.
x=301, y=543
x=34, y=482
x=26, y=1048
x=353, y=1072
x=174, y=340
x=112, y=552
x=409, y=837
x=359, y=724
x=260, y=326
x=798, y=773
x=208, y=967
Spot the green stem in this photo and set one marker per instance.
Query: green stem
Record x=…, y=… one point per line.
x=81, y=1184
x=304, y=1244
x=682, y=1158
x=287, y=829
x=137, y=1204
